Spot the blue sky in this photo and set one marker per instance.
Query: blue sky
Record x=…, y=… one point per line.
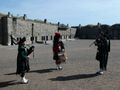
x=72, y=12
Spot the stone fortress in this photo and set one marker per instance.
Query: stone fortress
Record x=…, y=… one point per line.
x=35, y=31
x=41, y=31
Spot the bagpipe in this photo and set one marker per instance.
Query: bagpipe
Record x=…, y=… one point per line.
x=62, y=56
x=31, y=49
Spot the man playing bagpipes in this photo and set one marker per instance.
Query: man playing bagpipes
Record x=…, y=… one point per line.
x=23, y=59
x=58, y=51
x=103, y=47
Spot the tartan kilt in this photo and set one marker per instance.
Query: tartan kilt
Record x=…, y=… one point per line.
x=22, y=66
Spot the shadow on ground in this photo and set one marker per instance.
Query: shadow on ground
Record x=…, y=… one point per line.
x=10, y=74
x=8, y=83
x=43, y=70
x=74, y=77
x=36, y=71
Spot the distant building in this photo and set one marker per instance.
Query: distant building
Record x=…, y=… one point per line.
x=92, y=31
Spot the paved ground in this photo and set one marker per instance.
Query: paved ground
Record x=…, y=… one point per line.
x=78, y=72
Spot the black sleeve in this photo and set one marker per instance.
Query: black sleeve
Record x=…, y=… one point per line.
x=109, y=45
x=30, y=50
x=62, y=45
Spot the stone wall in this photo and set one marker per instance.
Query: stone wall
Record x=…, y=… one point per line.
x=88, y=32
x=92, y=31
x=1, y=15
x=115, y=31
x=23, y=28
x=37, y=30
x=41, y=31
x=4, y=31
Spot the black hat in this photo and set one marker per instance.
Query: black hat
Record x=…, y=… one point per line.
x=22, y=40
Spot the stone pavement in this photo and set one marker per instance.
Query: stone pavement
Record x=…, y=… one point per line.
x=78, y=73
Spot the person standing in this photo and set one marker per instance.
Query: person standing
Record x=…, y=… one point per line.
x=58, y=47
x=108, y=50
x=102, y=52
x=23, y=59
